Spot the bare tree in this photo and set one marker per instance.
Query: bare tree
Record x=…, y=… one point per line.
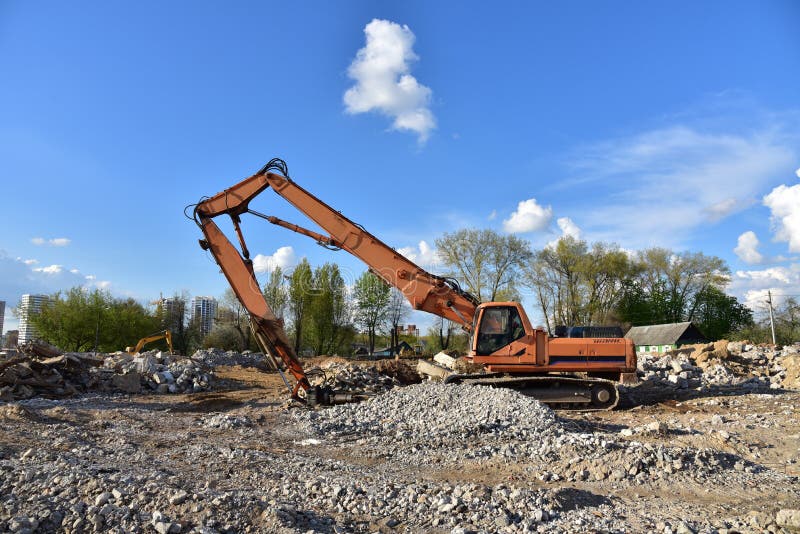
x=397, y=310
x=486, y=262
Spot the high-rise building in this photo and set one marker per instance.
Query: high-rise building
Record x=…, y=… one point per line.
x=2, y=314
x=172, y=311
x=204, y=309
x=29, y=305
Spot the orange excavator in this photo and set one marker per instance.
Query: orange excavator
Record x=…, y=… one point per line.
x=570, y=371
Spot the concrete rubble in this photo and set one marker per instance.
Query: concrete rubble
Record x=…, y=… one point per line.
x=421, y=458
x=720, y=366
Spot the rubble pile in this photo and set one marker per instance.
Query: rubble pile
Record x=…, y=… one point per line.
x=154, y=371
x=352, y=377
x=722, y=365
x=43, y=371
x=443, y=425
x=214, y=357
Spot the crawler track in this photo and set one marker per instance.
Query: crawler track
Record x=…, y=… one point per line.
x=559, y=392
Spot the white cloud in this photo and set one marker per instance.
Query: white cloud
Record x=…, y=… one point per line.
x=54, y=242
x=103, y=284
x=784, y=204
x=723, y=208
x=568, y=227
x=529, y=217
x=492, y=216
x=752, y=286
x=424, y=255
x=90, y=277
x=747, y=248
x=51, y=269
x=383, y=83
x=772, y=275
x=284, y=258
x=28, y=262
x=660, y=185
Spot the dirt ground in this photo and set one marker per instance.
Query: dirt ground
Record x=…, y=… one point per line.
x=759, y=428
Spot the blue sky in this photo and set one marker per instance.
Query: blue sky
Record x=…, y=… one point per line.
x=639, y=123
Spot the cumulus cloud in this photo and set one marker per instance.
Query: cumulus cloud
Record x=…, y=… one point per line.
x=659, y=185
x=54, y=242
x=754, y=285
x=784, y=205
x=284, y=258
x=383, y=83
x=568, y=227
x=529, y=217
x=747, y=248
x=424, y=255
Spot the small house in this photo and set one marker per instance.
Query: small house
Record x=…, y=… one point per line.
x=663, y=337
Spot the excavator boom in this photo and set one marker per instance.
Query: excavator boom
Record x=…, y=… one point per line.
x=425, y=291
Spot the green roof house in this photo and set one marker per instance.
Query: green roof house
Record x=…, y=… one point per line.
x=663, y=337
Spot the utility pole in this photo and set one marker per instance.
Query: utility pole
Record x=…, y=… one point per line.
x=771, y=318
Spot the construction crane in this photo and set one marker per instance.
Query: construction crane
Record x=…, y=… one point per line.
x=568, y=371
x=164, y=334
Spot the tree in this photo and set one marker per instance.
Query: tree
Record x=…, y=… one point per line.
x=718, y=314
x=396, y=311
x=371, y=295
x=275, y=292
x=80, y=319
x=578, y=285
x=231, y=315
x=671, y=287
x=787, y=325
x=328, y=313
x=486, y=262
x=300, y=294
x=440, y=334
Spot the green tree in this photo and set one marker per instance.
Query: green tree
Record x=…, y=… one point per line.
x=276, y=293
x=371, y=298
x=718, y=314
x=300, y=296
x=486, y=262
x=676, y=280
x=578, y=285
x=327, y=313
x=79, y=320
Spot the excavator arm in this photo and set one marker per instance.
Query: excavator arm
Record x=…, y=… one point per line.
x=425, y=291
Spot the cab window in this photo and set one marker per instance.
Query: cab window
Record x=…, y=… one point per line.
x=499, y=327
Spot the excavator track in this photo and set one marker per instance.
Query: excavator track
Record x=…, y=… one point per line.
x=559, y=392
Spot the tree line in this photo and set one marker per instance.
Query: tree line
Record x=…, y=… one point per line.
x=320, y=313
x=573, y=283
x=578, y=284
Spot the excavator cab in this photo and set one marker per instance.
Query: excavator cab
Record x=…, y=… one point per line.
x=499, y=326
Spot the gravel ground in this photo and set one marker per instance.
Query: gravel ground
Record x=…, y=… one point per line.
x=423, y=458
